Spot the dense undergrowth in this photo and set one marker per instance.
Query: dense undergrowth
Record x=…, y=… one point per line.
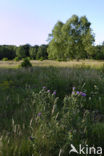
x=42, y=114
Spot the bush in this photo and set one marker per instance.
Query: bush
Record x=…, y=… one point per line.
x=41, y=59
x=16, y=59
x=5, y=59
x=29, y=58
x=26, y=63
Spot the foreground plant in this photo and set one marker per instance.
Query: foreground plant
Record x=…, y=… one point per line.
x=50, y=130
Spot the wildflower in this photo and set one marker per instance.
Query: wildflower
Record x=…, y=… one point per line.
x=39, y=114
x=54, y=93
x=73, y=88
x=77, y=92
x=48, y=91
x=82, y=94
x=73, y=92
x=44, y=87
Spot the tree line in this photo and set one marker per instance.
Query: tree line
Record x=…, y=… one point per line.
x=71, y=40
x=34, y=52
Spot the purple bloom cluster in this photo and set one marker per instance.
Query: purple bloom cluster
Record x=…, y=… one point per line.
x=77, y=92
x=73, y=88
x=49, y=91
x=83, y=94
x=44, y=87
x=54, y=93
x=73, y=92
x=39, y=114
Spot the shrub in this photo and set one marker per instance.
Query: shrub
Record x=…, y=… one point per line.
x=29, y=58
x=41, y=59
x=16, y=59
x=26, y=63
x=5, y=59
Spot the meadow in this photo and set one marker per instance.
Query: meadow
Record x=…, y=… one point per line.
x=46, y=108
x=74, y=63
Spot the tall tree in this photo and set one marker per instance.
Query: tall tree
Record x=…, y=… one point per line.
x=74, y=39
x=27, y=48
x=20, y=52
x=33, y=51
x=42, y=52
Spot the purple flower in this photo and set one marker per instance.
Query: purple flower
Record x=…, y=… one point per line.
x=54, y=93
x=39, y=114
x=73, y=88
x=44, y=87
x=48, y=91
x=77, y=92
x=82, y=94
x=73, y=92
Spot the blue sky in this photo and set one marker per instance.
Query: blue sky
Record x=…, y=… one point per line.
x=30, y=21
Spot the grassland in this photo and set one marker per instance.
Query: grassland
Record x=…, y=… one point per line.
x=74, y=63
x=37, y=120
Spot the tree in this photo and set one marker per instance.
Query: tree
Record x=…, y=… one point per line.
x=7, y=51
x=27, y=48
x=98, y=52
x=20, y=52
x=42, y=52
x=74, y=39
x=33, y=51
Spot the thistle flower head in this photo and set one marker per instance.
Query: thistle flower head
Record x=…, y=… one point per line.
x=54, y=93
x=39, y=114
x=44, y=87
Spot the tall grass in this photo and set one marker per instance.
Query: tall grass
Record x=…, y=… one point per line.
x=37, y=120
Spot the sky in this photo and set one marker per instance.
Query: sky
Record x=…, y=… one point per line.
x=30, y=21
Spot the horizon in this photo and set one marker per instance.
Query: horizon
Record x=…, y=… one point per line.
x=31, y=22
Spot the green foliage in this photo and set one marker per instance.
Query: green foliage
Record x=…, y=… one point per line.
x=73, y=39
x=20, y=52
x=41, y=59
x=27, y=48
x=5, y=59
x=33, y=51
x=49, y=129
x=7, y=51
x=60, y=59
x=29, y=58
x=37, y=121
x=16, y=59
x=96, y=134
x=98, y=52
x=42, y=52
x=26, y=63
